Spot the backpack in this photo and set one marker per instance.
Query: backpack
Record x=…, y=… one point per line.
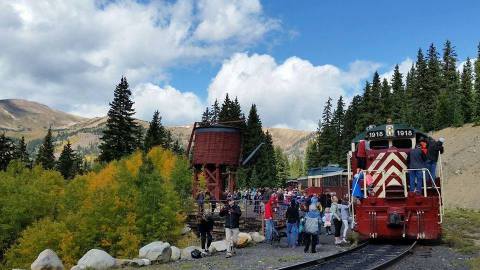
x=311, y=225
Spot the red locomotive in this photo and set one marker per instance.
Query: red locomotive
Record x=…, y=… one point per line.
x=388, y=210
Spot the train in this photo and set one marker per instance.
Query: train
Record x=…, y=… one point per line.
x=387, y=209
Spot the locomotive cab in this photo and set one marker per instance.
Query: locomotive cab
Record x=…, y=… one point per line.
x=386, y=208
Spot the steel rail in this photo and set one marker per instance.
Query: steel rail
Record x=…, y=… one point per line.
x=364, y=256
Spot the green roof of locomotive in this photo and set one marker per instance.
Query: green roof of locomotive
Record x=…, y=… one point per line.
x=361, y=136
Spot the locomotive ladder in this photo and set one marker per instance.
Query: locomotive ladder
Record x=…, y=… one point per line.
x=364, y=256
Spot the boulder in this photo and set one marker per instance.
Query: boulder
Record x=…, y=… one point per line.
x=139, y=262
x=122, y=263
x=47, y=259
x=186, y=253
x=156, y=251
x=176, y=253
x=243, y=240
x=96, y=259
x=78, y=267
x=257, y=237
x=218, y=246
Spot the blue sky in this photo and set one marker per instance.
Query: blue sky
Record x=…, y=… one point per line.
x=340, y=32
x=287, y=57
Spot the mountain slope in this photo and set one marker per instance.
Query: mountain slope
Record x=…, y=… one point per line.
x=22, y=115
x=30, y=119
x=461, y=164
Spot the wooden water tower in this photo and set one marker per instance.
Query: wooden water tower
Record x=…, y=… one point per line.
x=216, y=155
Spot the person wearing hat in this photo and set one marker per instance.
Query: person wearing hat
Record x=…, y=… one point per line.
x=417, y=162
x=434, y=149
x=232, y=214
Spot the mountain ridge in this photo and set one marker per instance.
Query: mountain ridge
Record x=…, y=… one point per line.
x=32, y=119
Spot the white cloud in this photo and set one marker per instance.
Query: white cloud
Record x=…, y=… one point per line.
x=289, y=94
x=221, y=20
x=70, y=54
x=174, y=106
x=404, y=68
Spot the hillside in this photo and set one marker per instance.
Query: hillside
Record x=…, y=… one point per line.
x=461, y=166
x=19, y=115
x=30, y=119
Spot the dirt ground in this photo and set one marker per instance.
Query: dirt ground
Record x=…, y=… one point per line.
x=461, y=162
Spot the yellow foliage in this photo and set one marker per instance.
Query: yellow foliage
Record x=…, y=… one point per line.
x=163, y=160
x=118, y=209
x=134, y=162
x=103, y=178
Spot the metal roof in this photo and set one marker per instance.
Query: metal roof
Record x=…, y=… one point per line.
x=324, y=170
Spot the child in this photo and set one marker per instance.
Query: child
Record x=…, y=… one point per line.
x=327, y=221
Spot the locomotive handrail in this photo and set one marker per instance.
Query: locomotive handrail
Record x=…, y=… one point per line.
x=440, y=202
x=365, y=180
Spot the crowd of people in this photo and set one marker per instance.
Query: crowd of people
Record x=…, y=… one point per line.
x=305, y=217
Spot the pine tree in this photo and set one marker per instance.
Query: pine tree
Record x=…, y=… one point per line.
x=120, y=137
x=386, y=102
x=477, y=86
x=420, y=96
x=466, y=93
x=215, y=111
x=350, y=123
x=375, y=105
x=206, y=118
x=367, y=107
x=398, y=96
x=449, y=112
x=267, y=162
x=433, y=83
x=168, y=143
x=7, y=151
x=68, y=163
x=296, y=167
x=21, y=152
x=410, y=103
x=326, y=135
x=312, y=159
x=155, y=133
x=45, y=156
x=252, y=137
x=177, y=148
x=225, y=113
x=338, y=130
x=282, y=167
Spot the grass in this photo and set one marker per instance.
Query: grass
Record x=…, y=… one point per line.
x=461, y=231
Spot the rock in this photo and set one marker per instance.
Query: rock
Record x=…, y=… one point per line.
x=176, y=253
x=186, y=253
x=257, y=237
x=78, y=267
x=243, y=240
x=156, y=251
x=218, y=246
x=122, y=263
x=139, y=262
x=47, y=259
x=96, y=259
x=186, y=230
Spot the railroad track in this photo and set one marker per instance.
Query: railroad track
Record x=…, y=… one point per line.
x=365, y=256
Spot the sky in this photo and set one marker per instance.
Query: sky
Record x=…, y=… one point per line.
x=286, y=56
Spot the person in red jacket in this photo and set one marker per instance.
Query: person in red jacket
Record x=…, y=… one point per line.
x=268, y=216
x=362, y=155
